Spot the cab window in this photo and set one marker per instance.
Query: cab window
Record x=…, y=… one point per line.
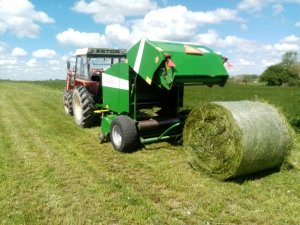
x=82, y=67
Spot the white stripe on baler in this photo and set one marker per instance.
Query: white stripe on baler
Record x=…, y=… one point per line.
x=139, y=56
x=114, y=82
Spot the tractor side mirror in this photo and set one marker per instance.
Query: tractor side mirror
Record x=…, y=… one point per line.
x=68, y=64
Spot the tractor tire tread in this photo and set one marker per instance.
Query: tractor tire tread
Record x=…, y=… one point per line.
x=87, y=105
x=68, y=102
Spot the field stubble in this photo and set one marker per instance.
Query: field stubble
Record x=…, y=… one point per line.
x=53, y=172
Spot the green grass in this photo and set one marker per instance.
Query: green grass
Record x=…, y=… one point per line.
x=53, y=172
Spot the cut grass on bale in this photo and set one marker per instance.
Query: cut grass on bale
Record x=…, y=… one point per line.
x=236, y=138
x=53, y=172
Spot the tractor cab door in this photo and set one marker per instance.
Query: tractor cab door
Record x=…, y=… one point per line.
x=83, y=77
x=82, y=67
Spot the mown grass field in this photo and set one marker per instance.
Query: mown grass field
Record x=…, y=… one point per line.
x=53, y=172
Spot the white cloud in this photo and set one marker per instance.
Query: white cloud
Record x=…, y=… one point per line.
x=291, y=39
x=244, y=62
x=113, y=11
x=32, y=69
x=267, y=63
x=170, y=23
x=288, y=43
x=44, y=53
x=20, y=18
x=210, y=38
x=16, y=65
x=68, y=56
x=285, y=47
x=244, y=26
x=3, y=27
x=6, y=62
x=42, y=17
x=81, y=39
x=32, y=63
x=213, y=17
x=120, y=35
x=252, y=5
x=248, y=56
x=277, y=9
x=18, y=52
x=297, y=24
x=1, y=49
x=54, y=62
x=257, y=5
x=240, y=43
x=292, y=1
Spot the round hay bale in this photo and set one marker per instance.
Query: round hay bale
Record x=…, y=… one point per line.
x=231, y=139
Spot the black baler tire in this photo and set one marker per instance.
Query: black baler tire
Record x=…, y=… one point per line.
x=87, y=104
x=68, y=102
x=128, y=132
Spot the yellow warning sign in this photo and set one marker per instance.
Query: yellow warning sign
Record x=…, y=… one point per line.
x=148, y=80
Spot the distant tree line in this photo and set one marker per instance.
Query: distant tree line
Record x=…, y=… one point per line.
x=286, y=72
x=245, y=79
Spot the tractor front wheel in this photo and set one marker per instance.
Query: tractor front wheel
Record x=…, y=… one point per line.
x=68, y=105
x=83, y=107
x=123, y=134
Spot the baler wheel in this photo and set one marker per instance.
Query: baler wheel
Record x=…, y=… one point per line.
x=83, y=107
x=123, y=134
x=68, y=105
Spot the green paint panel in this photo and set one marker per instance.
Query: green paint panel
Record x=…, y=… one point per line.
x=105, y=123
x=151, y=59
x=116, y=98
x=190, y=66
x=132, y=54
x=120, y=70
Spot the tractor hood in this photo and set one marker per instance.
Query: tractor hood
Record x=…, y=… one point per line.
x=176, y=63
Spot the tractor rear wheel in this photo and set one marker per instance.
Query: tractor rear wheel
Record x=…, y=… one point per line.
x=68, y=105
x=83, y=107
x=123, y=134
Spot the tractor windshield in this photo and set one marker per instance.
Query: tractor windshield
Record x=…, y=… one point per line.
x=103, y=63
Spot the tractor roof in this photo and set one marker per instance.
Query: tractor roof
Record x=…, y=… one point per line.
x=101, y=51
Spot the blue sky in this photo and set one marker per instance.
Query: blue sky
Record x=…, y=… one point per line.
x=37, y=36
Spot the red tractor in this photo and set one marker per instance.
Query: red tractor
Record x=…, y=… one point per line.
x=84, y=80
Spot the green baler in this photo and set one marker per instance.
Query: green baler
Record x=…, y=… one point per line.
x=139, y=99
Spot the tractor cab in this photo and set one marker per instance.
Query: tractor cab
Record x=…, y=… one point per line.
x=89, y=65
x=84, y=81
x=91, y=62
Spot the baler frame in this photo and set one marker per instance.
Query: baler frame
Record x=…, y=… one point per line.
x=154, y=77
